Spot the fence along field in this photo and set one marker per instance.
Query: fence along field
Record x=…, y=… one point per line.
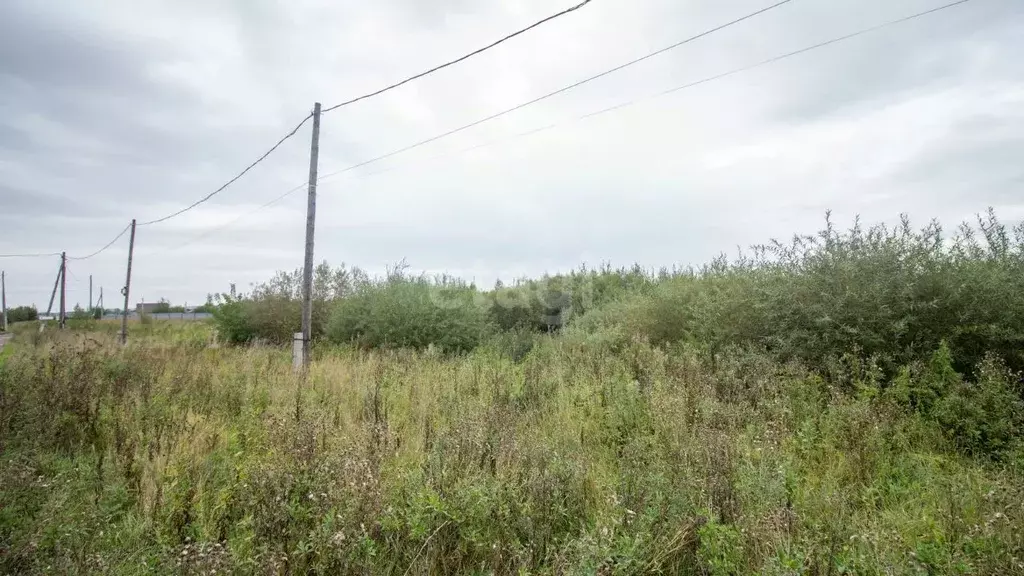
x=849, y=403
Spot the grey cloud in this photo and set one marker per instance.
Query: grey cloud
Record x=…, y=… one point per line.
x=18, y=201
x=41, y=50
x=936, y=49
x=974, y=175
x=118, y=109
x=135, y=130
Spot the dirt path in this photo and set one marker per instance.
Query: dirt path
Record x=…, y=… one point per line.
x=4, y=338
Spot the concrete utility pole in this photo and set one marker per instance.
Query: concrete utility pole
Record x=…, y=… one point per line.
x=307, y=271
x=3, y=301
x=90, y=292
x=63, y=289
x=127, y=286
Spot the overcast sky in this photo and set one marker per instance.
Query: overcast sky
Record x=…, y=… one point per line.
x=120, y=109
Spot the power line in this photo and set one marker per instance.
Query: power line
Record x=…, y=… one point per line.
x=788, y=55
x=476, y=123
x=602, y=111
x=560, y=90
x=53, y=254
x=357, y=99
x=460, y=59
x=664, y=93
x=226, y=225
x=233, y=180
x=46, y=255
x=303, y=186
x=101, y=250
x=460, y=152
x=363, y=97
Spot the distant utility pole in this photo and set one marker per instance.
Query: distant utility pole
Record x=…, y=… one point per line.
x=307, y=271
x=63, y=289
x=99, y=304
x=3, y=301
x=127, y=286
x=90, y=292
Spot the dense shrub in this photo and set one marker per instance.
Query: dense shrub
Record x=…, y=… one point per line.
x=410, y=312
x=549, y=304
x=891, y=294
x=537, y=307
x=272, y=312
x=985, y=417
x=232, y=322
x=22, y=314
x=79, y=313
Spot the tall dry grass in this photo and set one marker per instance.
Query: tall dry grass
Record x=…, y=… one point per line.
x=584, y=457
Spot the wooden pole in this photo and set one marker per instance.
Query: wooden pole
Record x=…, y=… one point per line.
x=307, y=271
x=127, y=287
x=90, y=292
x=63, y=289
x=3, y=301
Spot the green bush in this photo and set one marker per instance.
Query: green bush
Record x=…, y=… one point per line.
x=892, y=294
x=270, y=319
x=533, y=306
x=935, y=382
x=720, y=549
x=984, y=417
x=232, y=323
x=272, y=312
x=410, y=312
x=549, y=304
x=79, y=313
x=22, y=314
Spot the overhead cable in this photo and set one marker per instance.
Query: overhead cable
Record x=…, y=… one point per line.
x=588, y=115
x=560, y=90
x=785, y=56
x=233, y=180
x=101, y=250
x=46, y=255
x=460, y=59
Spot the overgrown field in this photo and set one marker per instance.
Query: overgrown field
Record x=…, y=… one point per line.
x=844, y=405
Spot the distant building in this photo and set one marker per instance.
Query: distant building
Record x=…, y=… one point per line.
x=148, y=307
